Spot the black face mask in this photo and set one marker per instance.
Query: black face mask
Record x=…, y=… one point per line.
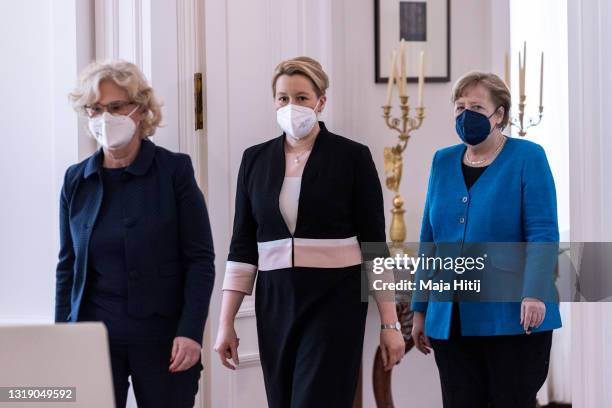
x=473, y=127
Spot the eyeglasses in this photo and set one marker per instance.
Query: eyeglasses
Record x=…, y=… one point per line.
x=114, y=108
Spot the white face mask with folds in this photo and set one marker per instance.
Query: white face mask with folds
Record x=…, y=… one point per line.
x=296, y=121
x=113, y=131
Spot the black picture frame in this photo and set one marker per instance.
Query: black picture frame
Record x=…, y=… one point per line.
x=379, y=79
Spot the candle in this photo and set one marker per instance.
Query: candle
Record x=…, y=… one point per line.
x=524, y=68
x=391, y=78
x=402, y=84
x=507, y=70
x=421, y=78
x=398, y=80
x=524, y=57
x=521, y=75
x=542, y=80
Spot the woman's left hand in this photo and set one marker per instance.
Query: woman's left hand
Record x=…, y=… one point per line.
x=185, y=353
x=533, y=312
x=392, y=347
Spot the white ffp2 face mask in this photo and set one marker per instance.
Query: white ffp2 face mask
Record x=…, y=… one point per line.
x=296, y=121
x=113, y=131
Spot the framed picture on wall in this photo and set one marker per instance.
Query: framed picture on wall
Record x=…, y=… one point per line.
x=424, y=25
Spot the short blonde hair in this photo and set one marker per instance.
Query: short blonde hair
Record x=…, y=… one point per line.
x=125, y=75
x=305, y=66
x=500, y=94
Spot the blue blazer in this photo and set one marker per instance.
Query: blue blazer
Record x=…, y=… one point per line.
x=169, y=249
x=514, y=200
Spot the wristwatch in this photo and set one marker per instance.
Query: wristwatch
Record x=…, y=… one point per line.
x=395, y=326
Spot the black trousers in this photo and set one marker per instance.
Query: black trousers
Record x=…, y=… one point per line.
x=310, y=326
x=154, y=385
x=491, y=371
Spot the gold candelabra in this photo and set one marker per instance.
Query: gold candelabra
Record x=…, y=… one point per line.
x=519, y=121
x=393, y=156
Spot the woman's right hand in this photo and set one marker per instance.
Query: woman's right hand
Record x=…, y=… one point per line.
x=227, y=345
x=421, y=341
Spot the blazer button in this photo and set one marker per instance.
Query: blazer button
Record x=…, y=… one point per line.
x=464, y=199
x=462, y=220
x=129, y=222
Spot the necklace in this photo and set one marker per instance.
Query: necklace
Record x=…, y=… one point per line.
x=479, y=162
x=298, y=156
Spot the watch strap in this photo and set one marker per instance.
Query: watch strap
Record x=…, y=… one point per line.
x=395, y=326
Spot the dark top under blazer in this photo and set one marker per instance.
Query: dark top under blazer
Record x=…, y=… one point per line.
x=513, y=201
x=168, y=242
x=340, y=195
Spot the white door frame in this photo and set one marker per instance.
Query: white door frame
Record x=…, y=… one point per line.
x=166, y=40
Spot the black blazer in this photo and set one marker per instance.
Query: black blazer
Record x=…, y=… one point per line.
x=340, y=197
x=169, y=249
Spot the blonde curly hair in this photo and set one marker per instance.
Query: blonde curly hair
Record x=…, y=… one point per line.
x=125, y=75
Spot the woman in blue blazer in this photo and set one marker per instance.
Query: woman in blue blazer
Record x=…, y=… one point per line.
x=490, y=189
x=136, y=248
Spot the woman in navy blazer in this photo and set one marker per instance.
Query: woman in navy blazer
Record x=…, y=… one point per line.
x=136, y=248
x=490, y=189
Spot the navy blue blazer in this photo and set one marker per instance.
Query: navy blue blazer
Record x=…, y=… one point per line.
x=513, y=201
x=168, y=242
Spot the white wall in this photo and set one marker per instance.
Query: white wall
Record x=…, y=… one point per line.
x=27, y=226
x=590, y=84
x=42, y=53
x=543, y=25
x=357, y=100
x=245, y=41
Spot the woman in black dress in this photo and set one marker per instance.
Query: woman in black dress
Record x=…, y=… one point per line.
x=304, y=202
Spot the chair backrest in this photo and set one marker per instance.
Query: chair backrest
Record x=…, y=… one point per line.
x=57, y=356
